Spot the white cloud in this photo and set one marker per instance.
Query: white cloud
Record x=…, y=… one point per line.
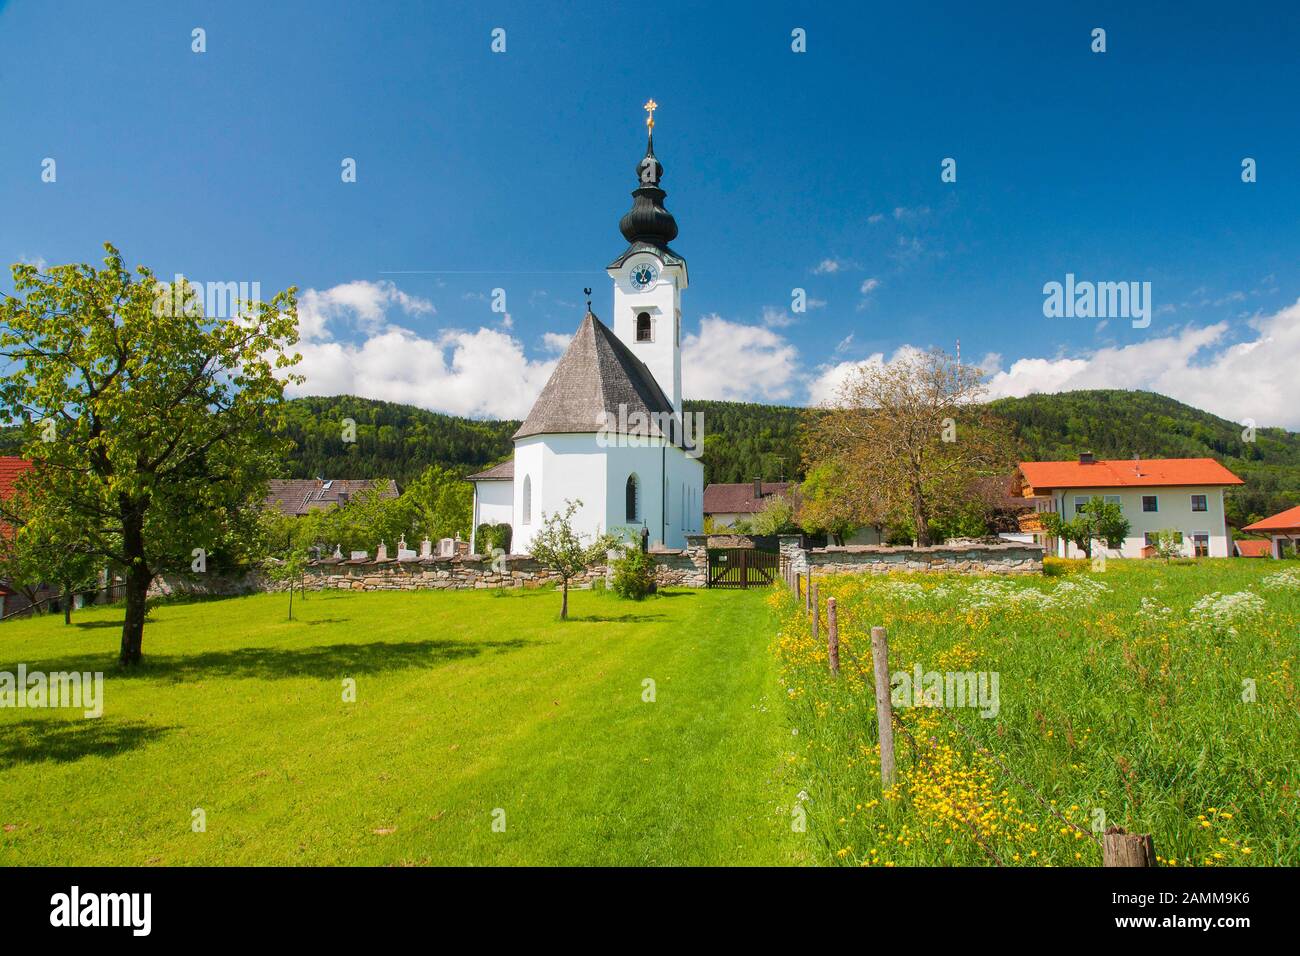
x=555, y=342
x=825, y=386
x=735, y=362
x=361, y=302
x=1251, y=379
x=778, y=318
x=876, y=217
x=480, y=373
x=829, y=267
x=869, y=286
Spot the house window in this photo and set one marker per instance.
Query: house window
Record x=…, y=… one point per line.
x=1200, y=544
x=1114, y=500
x=632, y=489
x=528, y=500
x=644, y=328
x=1079, y=502
x=1200, y=503
x=1150, y=503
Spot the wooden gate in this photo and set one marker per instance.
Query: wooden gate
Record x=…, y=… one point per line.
x=742, y=567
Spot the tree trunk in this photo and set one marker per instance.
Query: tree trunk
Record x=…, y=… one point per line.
x=564, y=605
x=138, y=577
x=137, y=592
x=291, y=599
x=67, y=604
x=922, y=522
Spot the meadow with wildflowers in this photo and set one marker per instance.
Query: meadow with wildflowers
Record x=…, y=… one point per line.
x=1157, y=697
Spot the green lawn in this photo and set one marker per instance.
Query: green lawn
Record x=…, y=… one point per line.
x=466, y=702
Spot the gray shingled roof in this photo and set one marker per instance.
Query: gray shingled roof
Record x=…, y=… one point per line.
x=596, y=375
x=297, y=496
x=502, y=472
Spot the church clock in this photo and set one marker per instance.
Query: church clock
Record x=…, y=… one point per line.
x=643, y=276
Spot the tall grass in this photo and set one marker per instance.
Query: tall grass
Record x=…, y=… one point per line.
x=1125, y=698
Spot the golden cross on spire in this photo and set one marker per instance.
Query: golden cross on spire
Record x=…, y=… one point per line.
x=650, y=107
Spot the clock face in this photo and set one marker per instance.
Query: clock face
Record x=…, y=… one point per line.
x=644, y=275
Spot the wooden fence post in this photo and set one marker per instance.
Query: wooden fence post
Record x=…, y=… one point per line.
x=816, y=614
x=807, y=593
x=1119, y=848
x=832, y=636
x=884, y=709
x=798, y=584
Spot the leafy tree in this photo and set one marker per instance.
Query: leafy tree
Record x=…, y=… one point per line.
x=37, y=552
x=1168, y=544
x=439, y=504
x=289, y=567
x=913, y=430
x=153, y=428
x=776, y=517
x=833, y=503
x=1099, y=520
x=558, y=548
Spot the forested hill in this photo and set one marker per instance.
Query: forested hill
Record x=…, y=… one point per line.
x=744, y=441
x=392, y=441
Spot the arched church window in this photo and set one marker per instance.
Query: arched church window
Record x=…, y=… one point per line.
x=644, y=330
x=528, y=500
x=632, y=494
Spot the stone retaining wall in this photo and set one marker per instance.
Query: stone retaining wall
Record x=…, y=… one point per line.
x=1010, y=558
x=687, y=567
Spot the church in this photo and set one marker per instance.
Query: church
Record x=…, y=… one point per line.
x=607, y=429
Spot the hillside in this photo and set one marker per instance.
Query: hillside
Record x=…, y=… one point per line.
x=744, y=440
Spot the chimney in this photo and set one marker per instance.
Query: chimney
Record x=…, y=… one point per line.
x=758, y=489
x=1086, y=458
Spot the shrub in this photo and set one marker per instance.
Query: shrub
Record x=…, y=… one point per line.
x=1056, y=567
x=491, y=536
x=634, y=575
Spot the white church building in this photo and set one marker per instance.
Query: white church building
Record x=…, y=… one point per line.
x=607, y=429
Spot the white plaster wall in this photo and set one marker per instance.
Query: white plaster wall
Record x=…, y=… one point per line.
x=658, y=468
x=561, y=467
x=494, y=503
x=662, y=300
x=1175, y=512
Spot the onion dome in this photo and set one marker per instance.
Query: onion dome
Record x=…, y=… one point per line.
x=648, y=220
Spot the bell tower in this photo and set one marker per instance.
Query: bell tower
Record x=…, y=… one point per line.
x=649, y=277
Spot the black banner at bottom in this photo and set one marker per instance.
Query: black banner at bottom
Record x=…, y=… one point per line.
x=333, y=905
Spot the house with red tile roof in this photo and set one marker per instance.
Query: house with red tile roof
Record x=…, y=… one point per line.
x=729, y=502
x=1184, y=495
x=1252, y=548
x=1283, y=530
x=12, y=597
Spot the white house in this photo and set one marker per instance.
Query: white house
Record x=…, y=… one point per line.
x=607, y=429
x=1155, y=494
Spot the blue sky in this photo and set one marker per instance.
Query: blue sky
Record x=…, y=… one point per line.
x=818, y=170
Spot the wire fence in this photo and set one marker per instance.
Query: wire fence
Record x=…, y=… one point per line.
x=804, y=590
